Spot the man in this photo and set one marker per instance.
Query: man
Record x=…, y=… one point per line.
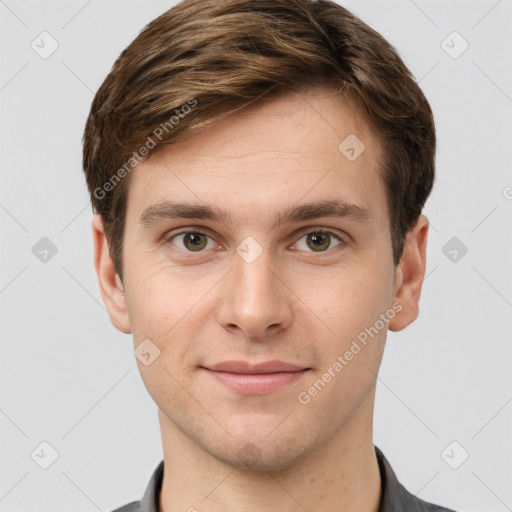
x=258, y=171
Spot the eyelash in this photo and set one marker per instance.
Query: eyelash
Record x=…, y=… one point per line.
x=168, y=240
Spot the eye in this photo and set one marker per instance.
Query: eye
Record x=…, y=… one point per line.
x=196, y=241
x=193, y=241
x=320, y=240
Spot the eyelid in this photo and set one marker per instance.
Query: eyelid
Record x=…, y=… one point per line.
x=341, y=236
x=166, y=238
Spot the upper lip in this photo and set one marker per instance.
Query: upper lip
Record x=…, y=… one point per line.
x=245, y=367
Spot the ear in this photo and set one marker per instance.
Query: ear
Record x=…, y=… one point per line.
x=111, y=287
x=410, y=274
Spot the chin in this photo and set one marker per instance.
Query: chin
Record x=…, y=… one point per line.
x=258, y=453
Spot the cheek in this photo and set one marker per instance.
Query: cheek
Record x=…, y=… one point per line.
x=344, y=303
x=154, y=304
x=168, y=309
x=162, y=312
x=352, y=341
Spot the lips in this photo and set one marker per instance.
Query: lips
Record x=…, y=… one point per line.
x=243, y=367
x=255, y=379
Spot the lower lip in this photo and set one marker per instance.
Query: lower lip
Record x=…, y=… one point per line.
x=256, y=384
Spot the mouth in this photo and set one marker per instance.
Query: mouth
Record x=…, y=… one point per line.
x=255, y=379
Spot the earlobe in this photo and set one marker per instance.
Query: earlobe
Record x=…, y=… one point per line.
x=410, y=274
x=111, y=287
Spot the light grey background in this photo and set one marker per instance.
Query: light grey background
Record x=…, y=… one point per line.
x=70, y=379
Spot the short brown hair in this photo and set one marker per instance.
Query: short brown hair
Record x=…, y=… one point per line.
x=217, y=56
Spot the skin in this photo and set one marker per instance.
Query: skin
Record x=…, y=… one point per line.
x=294, y=303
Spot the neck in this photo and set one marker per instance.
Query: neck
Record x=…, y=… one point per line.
x=341, y=475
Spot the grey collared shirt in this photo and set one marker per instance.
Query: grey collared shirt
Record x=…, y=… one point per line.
x=395, y=497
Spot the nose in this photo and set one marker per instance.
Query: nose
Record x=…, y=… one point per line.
x=255, y=299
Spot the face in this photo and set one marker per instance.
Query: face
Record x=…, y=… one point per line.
x=269, y=321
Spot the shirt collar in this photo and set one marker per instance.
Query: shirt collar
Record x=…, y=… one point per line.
x=394, y=496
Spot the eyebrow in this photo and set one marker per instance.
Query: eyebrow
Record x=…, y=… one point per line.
x=165, y=210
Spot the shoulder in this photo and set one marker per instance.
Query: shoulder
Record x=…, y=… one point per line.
x=134, y=506
x=395, y=497
x=149, y=502
x=424, y=506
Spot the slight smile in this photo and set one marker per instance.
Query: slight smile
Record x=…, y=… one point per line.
x=255, y=379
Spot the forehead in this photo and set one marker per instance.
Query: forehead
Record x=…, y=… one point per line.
x=303, y=146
